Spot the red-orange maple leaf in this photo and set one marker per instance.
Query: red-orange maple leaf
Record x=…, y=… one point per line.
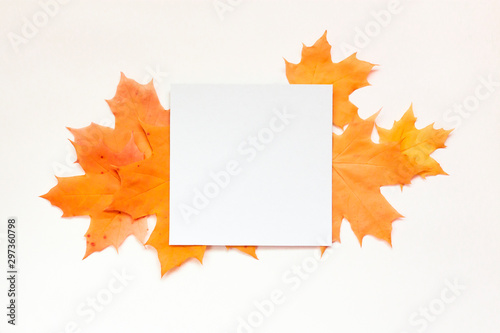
x=134, y=103
x=100, y=150
x=99, y=158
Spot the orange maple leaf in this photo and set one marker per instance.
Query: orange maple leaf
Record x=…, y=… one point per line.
x=250, y=250
x=171, y=256
x=417, y=144
x=316, y=67
x=145, y=184
x=89, y=195
x=360, y=167
x=83, y=195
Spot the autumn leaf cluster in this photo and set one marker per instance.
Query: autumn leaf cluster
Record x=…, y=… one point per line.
x=127, y=175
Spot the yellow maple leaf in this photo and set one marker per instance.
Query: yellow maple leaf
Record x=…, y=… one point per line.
x=417, y=144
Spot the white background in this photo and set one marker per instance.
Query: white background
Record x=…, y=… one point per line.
x=432, y=53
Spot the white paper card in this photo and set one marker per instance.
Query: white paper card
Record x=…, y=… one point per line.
x=251, y=165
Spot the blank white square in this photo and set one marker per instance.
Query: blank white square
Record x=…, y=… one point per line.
x=251, y=165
